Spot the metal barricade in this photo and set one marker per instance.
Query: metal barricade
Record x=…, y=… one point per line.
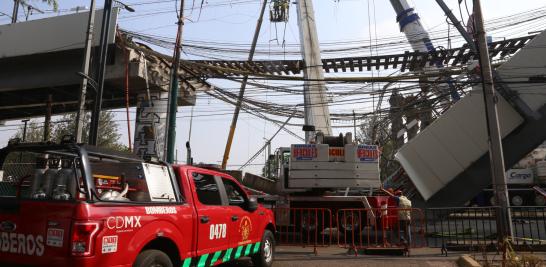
x=380, y=228
x=462, y=227
x=529, y=225
x=306, y=227
x=475, y=228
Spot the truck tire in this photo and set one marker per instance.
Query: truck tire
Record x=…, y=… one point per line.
x=349, y=222
x=517, y=200
x=265, y=256
x=152, y=258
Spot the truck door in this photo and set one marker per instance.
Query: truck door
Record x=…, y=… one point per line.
x=245, y=227
x=211, y=217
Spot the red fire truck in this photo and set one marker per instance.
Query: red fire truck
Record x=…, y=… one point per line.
x=74, y=205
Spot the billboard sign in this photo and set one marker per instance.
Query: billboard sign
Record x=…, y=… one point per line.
x=304, y=152
x=519, y=176
x=367, y=153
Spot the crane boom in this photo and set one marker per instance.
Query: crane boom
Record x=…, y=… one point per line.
x=314, y=88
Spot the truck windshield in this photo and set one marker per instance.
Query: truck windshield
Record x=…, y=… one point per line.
x=41, y=176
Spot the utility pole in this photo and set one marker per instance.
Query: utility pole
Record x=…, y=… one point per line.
x=47, y=121
x=354, y=124
x=101, y=71
x=242, y=89
x=80, y=115
x=25, y=121
x=15, y=11
x=504, y=220
x=173, y=96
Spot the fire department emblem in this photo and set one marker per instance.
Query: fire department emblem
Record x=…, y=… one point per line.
x=245, y=227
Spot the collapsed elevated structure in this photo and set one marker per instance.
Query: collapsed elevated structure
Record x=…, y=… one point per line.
x=449, y=162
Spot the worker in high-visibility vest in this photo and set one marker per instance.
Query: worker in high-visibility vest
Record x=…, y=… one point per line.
x=404, y=213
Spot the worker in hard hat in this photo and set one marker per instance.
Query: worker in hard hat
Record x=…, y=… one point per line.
x=404, y=214
x=284, y=10
x=276, y=9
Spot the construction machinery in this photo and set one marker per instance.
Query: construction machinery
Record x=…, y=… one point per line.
x=324, y=162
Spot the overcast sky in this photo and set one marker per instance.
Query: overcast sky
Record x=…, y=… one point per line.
x=340, y=23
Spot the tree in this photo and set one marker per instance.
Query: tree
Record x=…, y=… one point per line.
x=108, y=130
x=53, y=3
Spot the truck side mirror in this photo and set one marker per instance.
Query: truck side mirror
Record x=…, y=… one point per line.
x=252, y=204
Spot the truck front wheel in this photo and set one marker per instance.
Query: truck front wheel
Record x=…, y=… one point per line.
x=152, y=258
x=264, y=258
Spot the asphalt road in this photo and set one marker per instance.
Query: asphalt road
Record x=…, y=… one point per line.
x=334, y=256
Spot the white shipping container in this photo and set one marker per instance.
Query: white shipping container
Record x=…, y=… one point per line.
x=541, y=169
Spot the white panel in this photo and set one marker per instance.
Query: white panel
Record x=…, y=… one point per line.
x=463, y=155
x=423, y=178
x=433, y=151
x=300, y=165
x=509, y=118
x=159, y=183
x=332, y=183
x=51, y=34
x=527, y=62
x=469, y=116
x=452, y=143
x=333, y=174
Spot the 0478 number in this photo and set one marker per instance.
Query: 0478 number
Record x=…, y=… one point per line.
x=217, y=231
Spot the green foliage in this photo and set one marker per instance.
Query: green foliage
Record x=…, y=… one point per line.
x=53, y=3
x=35, y=132
x=108, y=130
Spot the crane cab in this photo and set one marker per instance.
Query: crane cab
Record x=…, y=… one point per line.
x=328, y=162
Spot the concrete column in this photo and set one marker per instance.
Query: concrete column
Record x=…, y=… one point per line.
x=150, y=125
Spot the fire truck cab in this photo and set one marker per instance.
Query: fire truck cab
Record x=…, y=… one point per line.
x=75, y=205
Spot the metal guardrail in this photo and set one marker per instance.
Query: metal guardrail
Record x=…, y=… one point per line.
x=469, y=228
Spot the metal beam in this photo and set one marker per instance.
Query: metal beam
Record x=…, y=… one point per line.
x=315, y=101
x=101, y=69
x=242, y=89
x=80, y=114
x=457, y=25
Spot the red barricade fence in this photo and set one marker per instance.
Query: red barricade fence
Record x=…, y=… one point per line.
x=381, y=228
x=306, y=227
x=352, y=228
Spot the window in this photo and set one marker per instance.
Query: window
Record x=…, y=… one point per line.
x=235, y=194
x=207, y=189
x=41, y=176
